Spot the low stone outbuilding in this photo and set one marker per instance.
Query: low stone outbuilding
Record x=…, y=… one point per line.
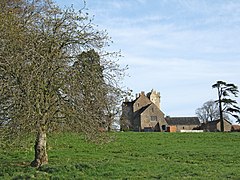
x=176, y=124
x=215, y=126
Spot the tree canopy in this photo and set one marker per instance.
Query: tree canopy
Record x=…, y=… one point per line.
x=54, y=72
x=225, y=102
x=209, y=112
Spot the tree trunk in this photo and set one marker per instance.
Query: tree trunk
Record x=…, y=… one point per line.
x=221, y=117
x=40, y=148
x=220, y=110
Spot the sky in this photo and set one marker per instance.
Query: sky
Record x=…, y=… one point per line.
x=177, y=47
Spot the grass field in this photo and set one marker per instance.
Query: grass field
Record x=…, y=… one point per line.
x=131, y=156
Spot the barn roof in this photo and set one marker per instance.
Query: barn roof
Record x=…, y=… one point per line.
x=182, y=121
x=217, y=121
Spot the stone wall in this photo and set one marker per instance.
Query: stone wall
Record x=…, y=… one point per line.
x=185, y=127
x=152, y=117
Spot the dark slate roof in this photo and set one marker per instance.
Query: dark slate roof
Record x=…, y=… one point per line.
x=131, y=102
x=182, y=121
x=213, y=122
x=217, y=121
x=128, y=103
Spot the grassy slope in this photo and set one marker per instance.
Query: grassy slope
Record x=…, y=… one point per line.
x=132, y=156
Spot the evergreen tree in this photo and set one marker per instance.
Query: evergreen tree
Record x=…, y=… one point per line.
x=226, y=104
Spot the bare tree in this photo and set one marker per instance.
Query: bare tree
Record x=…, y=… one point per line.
x=54, y=72
x=209, y=112
x=225, y=103
x=113, y=110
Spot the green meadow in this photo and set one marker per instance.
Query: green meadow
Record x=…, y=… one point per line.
x=130, y=155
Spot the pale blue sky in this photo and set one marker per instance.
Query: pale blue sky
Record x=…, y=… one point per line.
x=178, y=47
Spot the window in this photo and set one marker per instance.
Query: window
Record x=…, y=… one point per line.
x=153, y=118
x=164, y=127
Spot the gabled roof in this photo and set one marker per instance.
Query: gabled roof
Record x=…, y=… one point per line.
x=182, y=121
x=131, y=102
x=213, y=122
x=151, y=105
x=140, y=111
x=217, y=121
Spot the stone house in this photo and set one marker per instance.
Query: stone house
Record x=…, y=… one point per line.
x=215, y=126
x=143, y=113
x=176, y=124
